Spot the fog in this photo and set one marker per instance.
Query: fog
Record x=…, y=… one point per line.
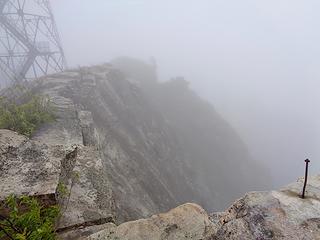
x=257, y=62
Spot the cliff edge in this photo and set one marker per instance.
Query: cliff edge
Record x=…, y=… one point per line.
x=258, y=215
x=30, y=167
x=121, y=149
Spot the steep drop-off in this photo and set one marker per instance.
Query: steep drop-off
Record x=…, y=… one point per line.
x=126, y=149
x=220, y=160
x=277, y=215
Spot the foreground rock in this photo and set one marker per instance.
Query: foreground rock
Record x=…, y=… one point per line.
x=28, y=167
x=257, y=216
x=188, y=221
x=38, y=169
x=71, y=176
x=274, y=215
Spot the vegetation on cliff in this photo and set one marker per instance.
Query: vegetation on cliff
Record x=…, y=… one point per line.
x=27, y=117
x=27, y=219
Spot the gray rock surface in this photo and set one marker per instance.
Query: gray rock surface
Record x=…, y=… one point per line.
x=71, y=176
x=27, y=166
x=188, y=221
x=142, y=171
x=274, y=215
x=277, y=215
x=88, y=196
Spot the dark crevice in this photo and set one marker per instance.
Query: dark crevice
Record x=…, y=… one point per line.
x=86, y=224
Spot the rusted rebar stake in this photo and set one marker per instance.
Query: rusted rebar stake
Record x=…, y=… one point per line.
x=305, y=178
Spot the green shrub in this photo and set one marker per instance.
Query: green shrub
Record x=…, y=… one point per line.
x=27, y=220
x=25, y=118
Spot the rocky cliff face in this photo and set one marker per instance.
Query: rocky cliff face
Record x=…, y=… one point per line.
x=99, y=109
x=120, y=150
x=219, y=159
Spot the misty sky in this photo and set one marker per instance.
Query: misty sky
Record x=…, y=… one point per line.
x=258, y=62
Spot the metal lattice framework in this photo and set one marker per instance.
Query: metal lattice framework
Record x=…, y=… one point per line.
x=29, y=41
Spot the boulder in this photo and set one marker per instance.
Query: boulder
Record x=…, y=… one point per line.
x=71, y=176
x=274, y=215
x=188, y=221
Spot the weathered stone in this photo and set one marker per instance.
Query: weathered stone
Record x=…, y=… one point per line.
x=89, y=194
x=27, y=166
x=258, y=215
x=274, y=215
x=188, y=221
x=73, y=176
x=80, y=232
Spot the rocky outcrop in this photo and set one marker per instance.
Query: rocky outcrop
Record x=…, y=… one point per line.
x=116, y=153
x=72, y=177
x=188, y=221
x=258, y=215
x=274, y=215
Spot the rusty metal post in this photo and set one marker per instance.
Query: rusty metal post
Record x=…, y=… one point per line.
x=305, y=178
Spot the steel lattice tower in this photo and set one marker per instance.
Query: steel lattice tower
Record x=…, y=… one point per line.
x=29, y=41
